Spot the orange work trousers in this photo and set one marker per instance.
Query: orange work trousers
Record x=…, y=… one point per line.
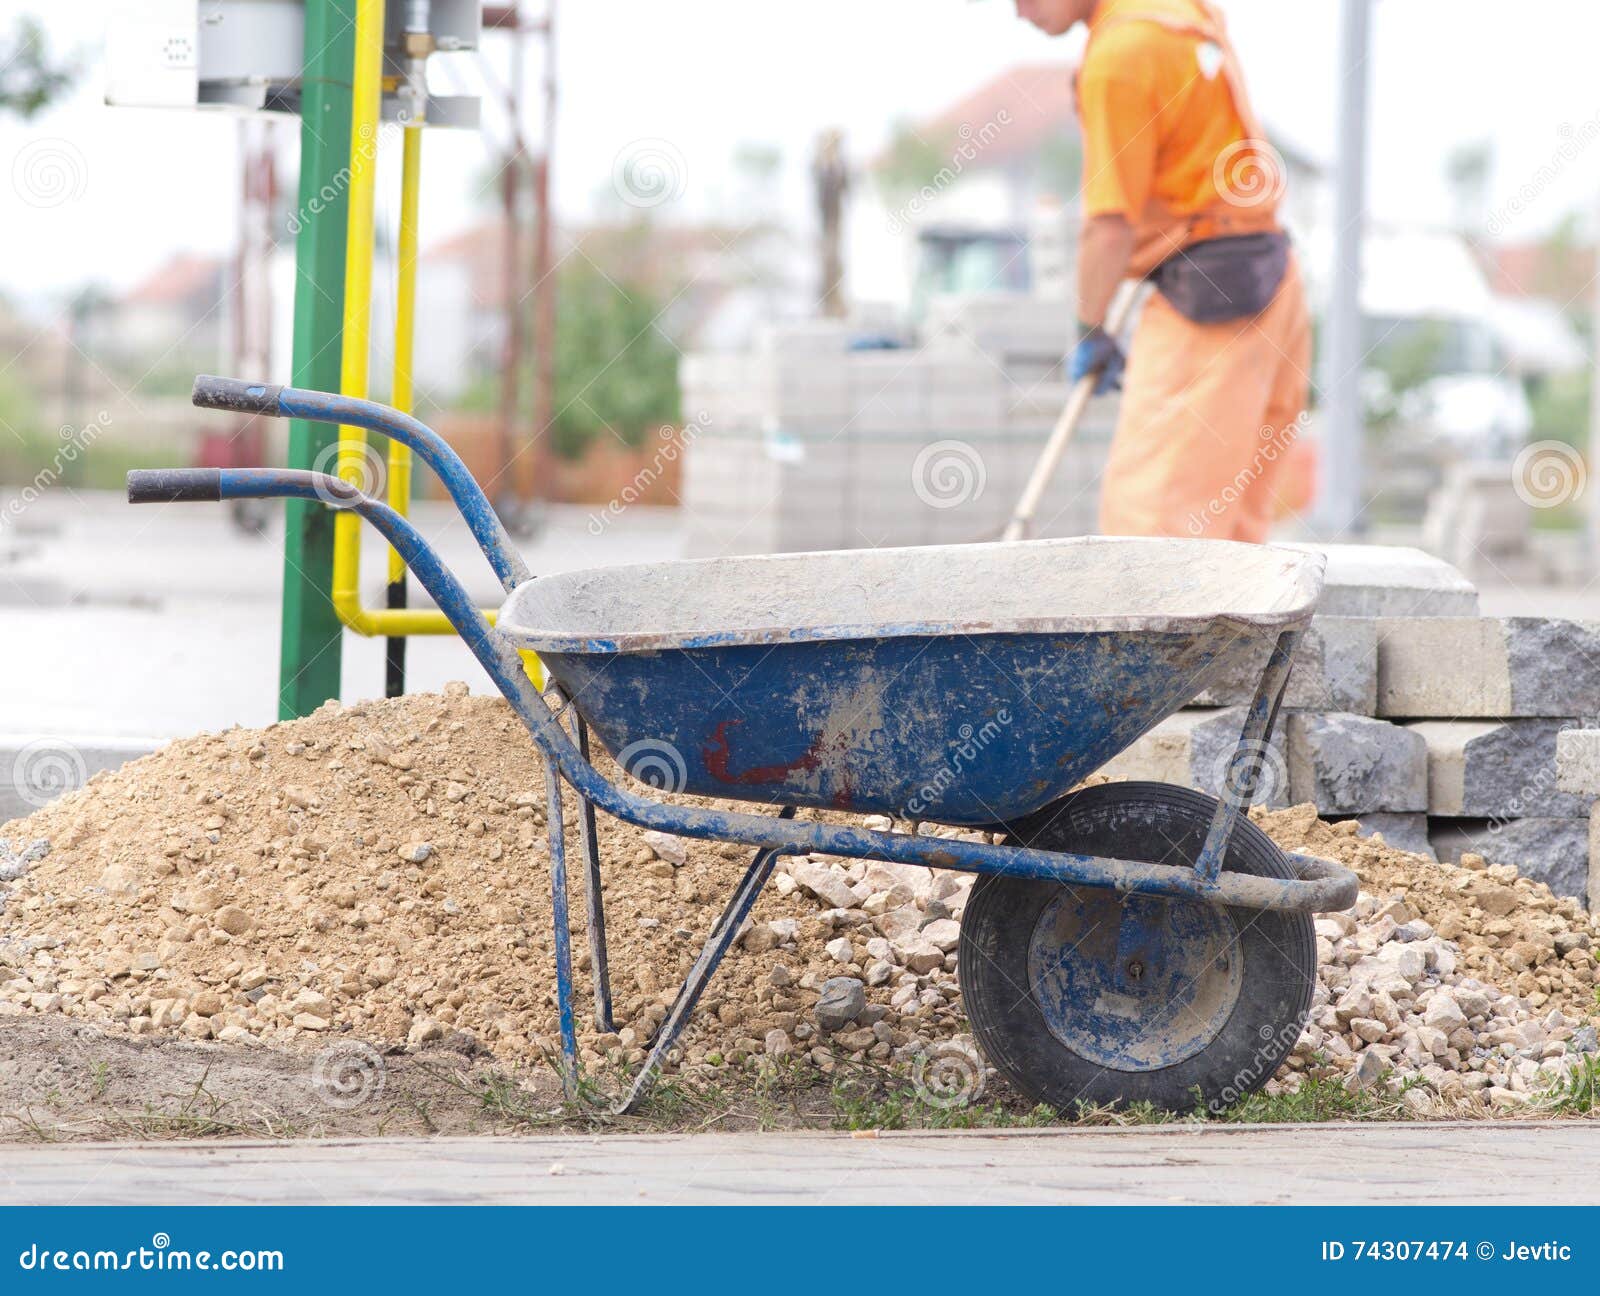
x=1208, y=438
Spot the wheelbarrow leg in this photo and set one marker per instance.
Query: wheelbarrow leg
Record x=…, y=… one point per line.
x=594, y=903
x=563, y=930
x=1244, y=768
x=717, y=944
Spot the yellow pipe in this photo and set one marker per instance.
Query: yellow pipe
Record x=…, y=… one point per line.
x=402, y=394
x=366, y=101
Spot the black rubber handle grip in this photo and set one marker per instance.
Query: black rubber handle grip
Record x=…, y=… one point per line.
x=174, y=485
x=235, y=394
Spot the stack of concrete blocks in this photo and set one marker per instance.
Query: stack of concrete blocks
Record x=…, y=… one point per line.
x=1409, y=712
x=802, y=443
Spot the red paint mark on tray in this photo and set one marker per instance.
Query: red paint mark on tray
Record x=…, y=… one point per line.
x=717, y=755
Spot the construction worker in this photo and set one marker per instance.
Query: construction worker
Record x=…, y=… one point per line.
x=1180, y=187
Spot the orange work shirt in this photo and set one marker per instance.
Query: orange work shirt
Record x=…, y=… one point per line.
x=1161, y=126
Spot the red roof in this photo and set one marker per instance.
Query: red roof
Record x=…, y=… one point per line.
x=182, y=278
x=1024, y=107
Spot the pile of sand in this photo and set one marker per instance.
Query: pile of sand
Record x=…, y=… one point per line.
x=381, y=869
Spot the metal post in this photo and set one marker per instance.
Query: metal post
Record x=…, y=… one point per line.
x=1341, y=376
x=311, y=645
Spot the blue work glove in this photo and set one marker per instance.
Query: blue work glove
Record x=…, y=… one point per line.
x=1097, y=352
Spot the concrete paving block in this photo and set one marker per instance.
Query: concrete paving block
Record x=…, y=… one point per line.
x=1194, y=748
x=1503, y=769
x=1352, y=764
x=1335, y=669
x=37, y=768
x=1487, y=667
x=1593, y=897
x=1578, y=762
x=1554, y=851
x=1407, y=832
x=1391, y=581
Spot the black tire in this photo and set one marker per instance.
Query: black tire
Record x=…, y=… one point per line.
x=1161, y=824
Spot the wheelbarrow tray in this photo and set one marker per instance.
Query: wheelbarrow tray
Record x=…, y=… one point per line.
x=963, y=684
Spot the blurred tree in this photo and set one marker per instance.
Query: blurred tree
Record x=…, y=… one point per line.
x=30, y=77
x=1400, y=364
x=616, y=372
x=616, y=369
x=909, y=163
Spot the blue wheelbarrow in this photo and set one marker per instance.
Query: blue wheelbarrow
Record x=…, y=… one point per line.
x=1122, y=942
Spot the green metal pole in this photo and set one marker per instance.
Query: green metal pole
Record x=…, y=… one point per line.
x=312, y=635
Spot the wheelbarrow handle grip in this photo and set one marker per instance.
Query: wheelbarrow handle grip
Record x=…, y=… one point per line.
x=174, y=485
x=211, y=392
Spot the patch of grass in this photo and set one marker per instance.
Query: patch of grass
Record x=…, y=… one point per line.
x=872, y=1098
x=1577, y=1095
x=1317, y=1099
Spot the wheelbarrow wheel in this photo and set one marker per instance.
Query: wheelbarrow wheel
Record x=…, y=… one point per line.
x=1079, y=995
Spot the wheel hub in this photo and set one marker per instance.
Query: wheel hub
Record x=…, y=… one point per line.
x=1134, y=983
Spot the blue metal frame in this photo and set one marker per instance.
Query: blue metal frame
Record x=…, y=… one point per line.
x=1321, y=886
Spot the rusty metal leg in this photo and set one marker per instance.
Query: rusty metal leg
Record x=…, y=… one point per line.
x=717, y=944
x=594, y=903
x=1244, y=769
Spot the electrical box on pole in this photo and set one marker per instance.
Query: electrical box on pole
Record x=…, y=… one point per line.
x=247, y=54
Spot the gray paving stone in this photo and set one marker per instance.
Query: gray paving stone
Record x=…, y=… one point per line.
x=1335, y=669
x=1407, y=832
x=1351, y=764
x=1502, y=769
x=1459, y=668
x=1391, y=581
x=1554, y=851
x=1578, y=762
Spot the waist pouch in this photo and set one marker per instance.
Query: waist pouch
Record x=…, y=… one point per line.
x=1223, y=279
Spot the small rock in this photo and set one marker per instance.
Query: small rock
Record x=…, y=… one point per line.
x=416, y=852
x=664, y=846
x=233, y=920
x=839, y=949
x=840, y=1003
x=1368, y=1070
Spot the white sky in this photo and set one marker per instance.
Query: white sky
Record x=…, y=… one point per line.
x=705, y=75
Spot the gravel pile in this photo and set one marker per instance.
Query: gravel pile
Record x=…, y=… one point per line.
x=379, y=870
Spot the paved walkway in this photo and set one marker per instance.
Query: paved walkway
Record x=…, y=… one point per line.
x=1523, y=1163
